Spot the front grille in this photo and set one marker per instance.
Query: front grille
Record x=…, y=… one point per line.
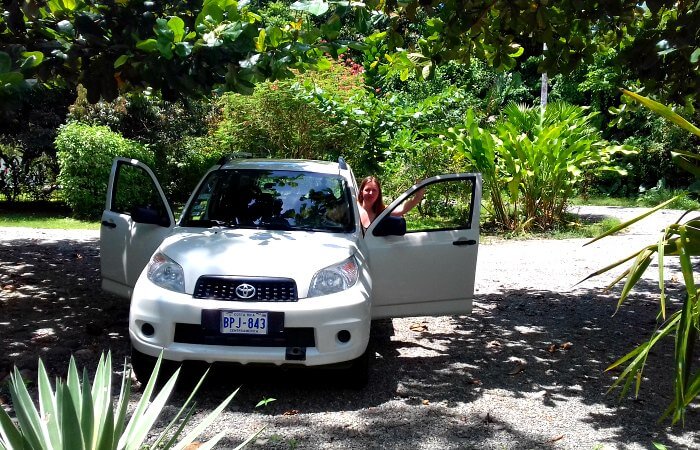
x=286, y=337
x=227, y=288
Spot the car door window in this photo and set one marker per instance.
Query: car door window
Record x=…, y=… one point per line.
x=134, y=189
x=447, y=205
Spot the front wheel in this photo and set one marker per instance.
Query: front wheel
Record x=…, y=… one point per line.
x=357, y=375
x=143, y=366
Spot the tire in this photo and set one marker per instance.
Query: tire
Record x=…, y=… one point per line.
x=357, y=375
x=143, y=365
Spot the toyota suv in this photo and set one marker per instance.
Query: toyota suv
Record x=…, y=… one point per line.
x=269, y=263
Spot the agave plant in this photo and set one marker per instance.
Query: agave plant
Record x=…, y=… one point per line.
x=682, y=240
x=78, y=416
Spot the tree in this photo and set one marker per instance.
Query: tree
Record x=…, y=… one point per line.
x=658, y=40
x=179, y=48
x=189, y=48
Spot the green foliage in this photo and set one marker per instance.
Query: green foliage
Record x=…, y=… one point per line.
x=77, y=415
x=175, y=131
x=176, y=48
x=660, y=194
x=680, y=239
x=85, y=155
x=532, y=160
x=278, y=121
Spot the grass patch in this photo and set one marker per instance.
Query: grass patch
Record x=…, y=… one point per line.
x=41, y=215
x=574, y=228
x=624, y=202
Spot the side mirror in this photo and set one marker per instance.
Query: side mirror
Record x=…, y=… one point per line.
x=390, y=226
x=149, y=215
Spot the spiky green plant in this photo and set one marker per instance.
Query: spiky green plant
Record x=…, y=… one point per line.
x=78, y=416
x=680, y=239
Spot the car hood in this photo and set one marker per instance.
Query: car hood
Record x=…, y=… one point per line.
x=256, y=253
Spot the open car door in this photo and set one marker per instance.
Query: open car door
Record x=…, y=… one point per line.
x=135, y=221
x=428, y=267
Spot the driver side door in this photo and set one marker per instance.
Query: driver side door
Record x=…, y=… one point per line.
x=135, y=221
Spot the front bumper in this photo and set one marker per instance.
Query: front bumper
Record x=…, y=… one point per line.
x=317, y=331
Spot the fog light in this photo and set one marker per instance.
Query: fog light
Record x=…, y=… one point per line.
x=343, y=336
x=147, y=329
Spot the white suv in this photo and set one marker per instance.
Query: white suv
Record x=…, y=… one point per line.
x=268, y=262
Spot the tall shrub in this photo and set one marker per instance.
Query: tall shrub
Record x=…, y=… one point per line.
x=532, y=160
x=277, y=121
x=85, y=154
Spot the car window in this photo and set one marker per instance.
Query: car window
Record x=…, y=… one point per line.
x=447, y=204
x=266, y=199
x=135, y=189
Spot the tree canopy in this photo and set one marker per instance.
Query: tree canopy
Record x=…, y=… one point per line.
x=191, y=47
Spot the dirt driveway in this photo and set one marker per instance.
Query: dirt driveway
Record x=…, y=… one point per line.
x=524, y=370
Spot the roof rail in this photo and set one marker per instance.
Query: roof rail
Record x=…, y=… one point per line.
x=342, y=164
x=225, y=159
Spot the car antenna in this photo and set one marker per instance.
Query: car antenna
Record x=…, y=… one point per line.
x=342, y=164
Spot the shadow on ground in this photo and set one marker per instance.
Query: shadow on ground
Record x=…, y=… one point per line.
x=548, y=347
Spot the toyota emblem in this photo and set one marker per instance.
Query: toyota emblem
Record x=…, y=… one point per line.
x=245, y=290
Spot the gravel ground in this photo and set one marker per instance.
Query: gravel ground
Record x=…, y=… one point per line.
x=524, y=370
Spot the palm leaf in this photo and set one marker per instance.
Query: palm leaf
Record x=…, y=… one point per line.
x=664, y=111
x=634, y=220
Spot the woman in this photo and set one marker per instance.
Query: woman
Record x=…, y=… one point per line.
x=371, y=204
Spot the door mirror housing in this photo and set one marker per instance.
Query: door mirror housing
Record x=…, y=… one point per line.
x=390, y=226
x=149, y=215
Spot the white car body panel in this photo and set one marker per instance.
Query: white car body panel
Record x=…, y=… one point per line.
x=419, y=273
x=245, y=252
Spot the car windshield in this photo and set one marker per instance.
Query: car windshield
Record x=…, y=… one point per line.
x=273, y=200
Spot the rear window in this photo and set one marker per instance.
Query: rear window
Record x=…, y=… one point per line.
x=275, y=200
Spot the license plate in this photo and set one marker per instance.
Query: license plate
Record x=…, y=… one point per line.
x=243, y=322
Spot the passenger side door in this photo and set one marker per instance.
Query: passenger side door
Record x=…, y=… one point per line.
x=429, y=270
x=135, y=221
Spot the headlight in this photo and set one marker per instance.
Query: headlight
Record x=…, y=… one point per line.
x=335, y=278
x=166, y=273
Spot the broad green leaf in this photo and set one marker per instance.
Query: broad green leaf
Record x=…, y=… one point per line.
x=260, y=41
x=32, y=59
x=33, y=428
x=70, y=423
x=9, y=432
x=695, y=56
x=177, y=25
x=47, y=406
x=664, y=111
x=147, y=45
x=313, y=7
x=121, y=61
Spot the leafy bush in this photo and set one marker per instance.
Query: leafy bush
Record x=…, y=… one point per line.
x=78, y=416
x=532, y=160
x=278, y=121
x=85, y=155
x=171, y=130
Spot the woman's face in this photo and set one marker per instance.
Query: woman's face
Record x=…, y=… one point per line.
x=370, y=193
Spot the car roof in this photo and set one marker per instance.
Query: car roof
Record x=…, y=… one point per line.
x=296, y=165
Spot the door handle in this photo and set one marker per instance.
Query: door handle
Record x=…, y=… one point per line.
x=109, y=224
x=464, y=242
